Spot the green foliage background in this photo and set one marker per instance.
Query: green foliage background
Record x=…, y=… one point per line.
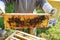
x=1, y=22
x=51, y=33
x=10, y=8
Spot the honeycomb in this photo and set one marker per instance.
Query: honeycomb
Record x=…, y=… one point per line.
x=26, y=21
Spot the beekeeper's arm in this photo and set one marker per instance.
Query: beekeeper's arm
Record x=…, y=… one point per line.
x=47, y=8
x=2, y=6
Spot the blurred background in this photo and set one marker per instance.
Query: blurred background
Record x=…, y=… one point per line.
x=50, y=33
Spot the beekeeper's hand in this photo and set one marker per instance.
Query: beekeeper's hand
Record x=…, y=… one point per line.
x=2, y=7
x=53, y=12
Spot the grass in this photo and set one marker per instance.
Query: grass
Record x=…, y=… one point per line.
x=10, y=8
x=1, y=22
x=39, y=10
x=51, y=33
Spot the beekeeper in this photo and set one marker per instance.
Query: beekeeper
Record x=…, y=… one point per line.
x=28, y=6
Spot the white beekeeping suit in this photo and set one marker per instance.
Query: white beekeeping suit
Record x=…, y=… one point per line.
x=2, y=7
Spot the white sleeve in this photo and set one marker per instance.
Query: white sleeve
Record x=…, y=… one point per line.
x=47, y=7
x=2, y=6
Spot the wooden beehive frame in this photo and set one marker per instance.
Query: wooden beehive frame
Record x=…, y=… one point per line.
x=24, y=36
x=26, y=16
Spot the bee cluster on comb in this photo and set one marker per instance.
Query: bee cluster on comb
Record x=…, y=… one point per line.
x=26, y=21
